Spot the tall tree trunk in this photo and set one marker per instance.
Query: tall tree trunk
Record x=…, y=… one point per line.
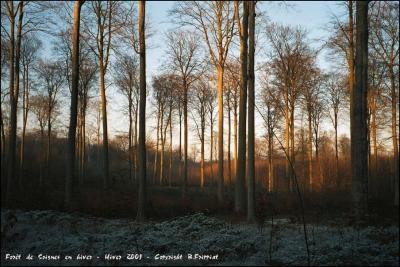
x=170, y=150
x=14, y=92
x=229, y=145
x=350, y=61
x=202, y=155
x=292, y=155
x=220, y=88
x=142, y=115
x=162, y=148
x=25, y=108
x=271, y=184
x=130, y=150
x=359, y=145
x=287, y=139
x=336, y=152
x=211, y=148
x=185, y=138
x=235, y=139
x=240, y=193
x=310, y=145
x=104, y=120
x=394, y=135
x=251, y=209
x=70, y=168
x=157, y=142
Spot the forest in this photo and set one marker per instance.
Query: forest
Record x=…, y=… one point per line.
x=199, y=133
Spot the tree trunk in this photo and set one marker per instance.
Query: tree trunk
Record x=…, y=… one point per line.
x=14, y=92
x=157, y=142
x=235, y=139
x=162, y=148
x=202, y=156
x=130, y=152
x=310, y=145
x=142, y=115
x=394, y=135
x=104, y=119
x=170, y=150
x=271, y=184
x=70, y=169
x=211, y=148
x=185, y=138
x=251, y=209
x=220, y=88
x=336, y=152
x=229, y=145
x=25, y=107
x=359, y=145
x=240, y=193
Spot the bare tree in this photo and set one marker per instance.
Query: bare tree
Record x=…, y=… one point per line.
x=39, y=109
x=29, y=49
x=184, y=58
x=240, y=193
x=359, y=145
x=70, y=170
x=142, y=114
x=270, y=110
x=51, y=74
x=14, y=62
x=199, y=97
x=107, y=23
x=251, y=198
x=127, y=80
x=385, y=43
x=215, y=20
x=337, y=100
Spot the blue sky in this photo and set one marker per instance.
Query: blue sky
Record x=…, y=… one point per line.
x=312, y=16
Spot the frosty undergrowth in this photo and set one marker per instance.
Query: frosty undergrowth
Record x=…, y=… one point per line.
x=56, y=233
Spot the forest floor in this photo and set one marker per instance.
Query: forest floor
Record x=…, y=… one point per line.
x=58, y=234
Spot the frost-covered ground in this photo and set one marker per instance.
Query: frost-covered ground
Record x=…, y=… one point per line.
x=54, y=233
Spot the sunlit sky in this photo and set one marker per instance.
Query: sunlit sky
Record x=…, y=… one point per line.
x=312, y=16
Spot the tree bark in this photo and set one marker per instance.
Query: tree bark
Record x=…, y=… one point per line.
x=251, y=209
x=142, y=115
x=240, y=193
x=185, y=138
x=220, y=87
x=359, y=144
x=394, y=135
x=70, y=168
x=14, y=92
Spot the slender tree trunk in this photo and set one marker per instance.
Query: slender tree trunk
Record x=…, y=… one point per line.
x=142, y=115
x=202, y=154
x=25, y=108
x=220, y=87
x=157, y=142
x=14, y=92
x=270, y=162
x=211, y=148
x=185, y=137
x=287, y=138
x=162, y=148
x=336, y=152
x=130, y=150
x=229, y=145
x=310, y=153
x=235, y=139
x=394, y=135
x=359, y=145
x=70, y=170
x=170, y=150
x=251, y=209
x=104, y=119
x=240, y=193
x=292, y=155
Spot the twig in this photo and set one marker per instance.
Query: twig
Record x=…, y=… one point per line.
x=297, y=187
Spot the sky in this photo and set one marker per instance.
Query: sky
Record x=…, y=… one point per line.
x=313, y=16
